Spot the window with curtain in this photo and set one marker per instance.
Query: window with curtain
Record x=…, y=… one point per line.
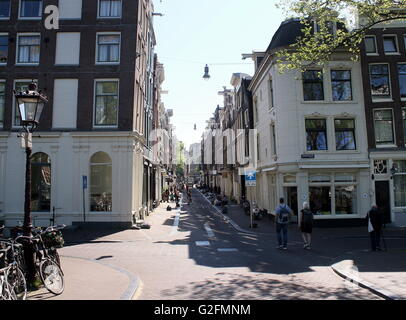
x=101, y=182
x=40, y=182
x=28, y=49
x=106, y=113
x=313, y=85
x=399, y=181
x=341, y=85
x=316, y=134
x=383, y=120
x=345, y=134
x=108, y=48
x=2, y=102
x=3, y=48
x=370, y=44
x=31, y=8
x=109, y=8
x=4, y=8
x=379, y=76
x=402, y=79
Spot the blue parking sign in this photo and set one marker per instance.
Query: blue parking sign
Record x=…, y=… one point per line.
x=250, y=178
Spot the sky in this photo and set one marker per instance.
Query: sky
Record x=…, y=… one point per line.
x=193, y=33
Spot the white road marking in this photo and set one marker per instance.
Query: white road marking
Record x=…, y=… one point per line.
x=227, y=250
x=210, y=232
x=203, y=243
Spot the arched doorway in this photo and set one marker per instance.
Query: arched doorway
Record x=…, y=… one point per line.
x=101, y=182
x=40, y=182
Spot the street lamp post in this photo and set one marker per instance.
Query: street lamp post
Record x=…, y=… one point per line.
x=30, y=105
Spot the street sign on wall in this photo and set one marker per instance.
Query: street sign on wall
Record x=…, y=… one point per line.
x=250, y=178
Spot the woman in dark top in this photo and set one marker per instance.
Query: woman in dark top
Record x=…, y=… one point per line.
x=306, y=225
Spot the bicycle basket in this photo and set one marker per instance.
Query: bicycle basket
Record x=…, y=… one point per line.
x=53, y=239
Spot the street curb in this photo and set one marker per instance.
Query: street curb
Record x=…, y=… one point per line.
x=132, y=288
x=363, y=283
x=229, y=220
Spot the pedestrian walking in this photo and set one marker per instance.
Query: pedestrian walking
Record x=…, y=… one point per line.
x=306, y=225
x=375, y=221
x=189, y=196
x=283, y=213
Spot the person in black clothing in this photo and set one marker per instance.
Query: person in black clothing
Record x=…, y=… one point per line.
x=376, y=217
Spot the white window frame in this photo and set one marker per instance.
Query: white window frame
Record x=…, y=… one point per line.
x=355, y=134
x=323, y=82
x=9, y=12
x=397, y=52
x=96, y=126
x=351, y=83
x=332, y=185
x=30, y=18
x=403, y=63
x=376, y=46
x=5, y=34
x=98, y=11
x=379, y=98
x=5, y=82
x=13, y=124
x=97, y=48
x=18, y=49
x=271, y=94
x=393, y=129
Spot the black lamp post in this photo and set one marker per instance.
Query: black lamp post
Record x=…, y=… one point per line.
x=30, y=105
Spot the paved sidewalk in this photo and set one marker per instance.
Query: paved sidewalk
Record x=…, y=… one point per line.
x=383, y=273
x=87, y=279
x=95, y=279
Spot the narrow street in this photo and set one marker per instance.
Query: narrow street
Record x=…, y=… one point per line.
x=204, y=257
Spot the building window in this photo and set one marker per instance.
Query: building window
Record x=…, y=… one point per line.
x=330, y=196
x=30, y=8
x=109, y=8
x=100, y=182
x=313, y=85
x=4, y=9
x=316, y=134
x=390, y=44
x=345, y=200
x=19, y=86
x=341, y=85
x=2, y=102
x=320, y=200
x=3, y=48
x=399, y=181
x=380, y=166
x=345, y=134
x=404, y=123
x=106, y=108
x=384, y=127
x=271, y=95
x=370, y=44
x=28, y=49
x=40, y=183
x=379, y=76
x=402, y=79
x=273, y=140
x=108, y=48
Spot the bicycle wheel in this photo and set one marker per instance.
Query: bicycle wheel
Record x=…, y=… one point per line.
x=17, y=283
x=51, y=276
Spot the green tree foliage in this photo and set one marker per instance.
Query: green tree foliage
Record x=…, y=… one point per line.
x=333, y=25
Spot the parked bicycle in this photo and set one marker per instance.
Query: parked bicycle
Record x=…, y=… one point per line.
x=13, y=285
x=46, y=258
